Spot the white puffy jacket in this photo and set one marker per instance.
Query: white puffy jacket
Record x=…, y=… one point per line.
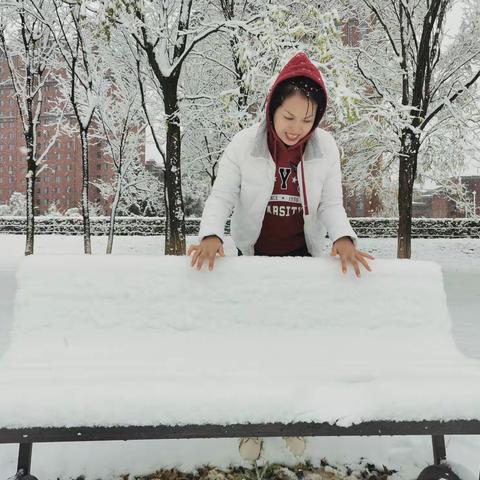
x=245, y=181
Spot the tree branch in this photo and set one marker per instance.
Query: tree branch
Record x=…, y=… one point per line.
x=450, y=100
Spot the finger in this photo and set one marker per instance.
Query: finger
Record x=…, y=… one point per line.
x=356, y=267
x=211, y=261
x=191, y=249
x=365, y=254
x=221, y=251
x=334, y=252
x=344, y=264
x=364, y=262
x=201, y=258
x=195, y=257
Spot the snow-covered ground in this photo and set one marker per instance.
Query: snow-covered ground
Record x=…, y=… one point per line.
x=460, y=261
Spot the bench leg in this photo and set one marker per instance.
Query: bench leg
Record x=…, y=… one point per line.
x=440, y=470
x=24, y=462
x=439, y=449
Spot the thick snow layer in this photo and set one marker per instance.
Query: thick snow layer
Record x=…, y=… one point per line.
x=239, y=343
x=460, y=261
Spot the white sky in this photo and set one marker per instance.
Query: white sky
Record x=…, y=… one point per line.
x=454, y=19
x=451, y=29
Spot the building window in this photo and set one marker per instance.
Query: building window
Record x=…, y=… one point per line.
x=99, y=166
x=350, y=32
x=46, y=179
x=69, y=156
x=105, y=166
x=69, y=178
x=69, y=189
x=57, y=179
x=45, y=202
x=69, y=167
x=363, y=27
x=45, y=190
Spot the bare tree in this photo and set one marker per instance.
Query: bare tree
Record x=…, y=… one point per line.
x=27, y=46
x=416, y=83
x=73, y=31
x=164, y=37
x=121, y=126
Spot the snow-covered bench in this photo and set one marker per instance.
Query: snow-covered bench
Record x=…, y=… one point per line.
x=120, y=347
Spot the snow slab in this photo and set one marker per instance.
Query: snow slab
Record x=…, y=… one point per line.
x=161, y=343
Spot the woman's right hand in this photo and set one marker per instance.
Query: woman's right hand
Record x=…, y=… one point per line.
x=207, y=250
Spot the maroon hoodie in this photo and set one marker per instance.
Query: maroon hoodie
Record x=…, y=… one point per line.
x=282, y=228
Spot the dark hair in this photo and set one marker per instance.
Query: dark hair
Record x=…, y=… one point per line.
x=306, y=87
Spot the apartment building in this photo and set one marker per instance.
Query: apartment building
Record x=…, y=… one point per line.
x=60, y=176
x=434, y=203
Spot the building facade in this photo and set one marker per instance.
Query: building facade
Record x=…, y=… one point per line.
x=436, y=204
x=59, y=178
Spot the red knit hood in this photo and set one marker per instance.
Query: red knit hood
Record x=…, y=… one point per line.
x=298, y=66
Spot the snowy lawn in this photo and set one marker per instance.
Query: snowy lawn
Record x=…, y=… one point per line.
x=460, y=261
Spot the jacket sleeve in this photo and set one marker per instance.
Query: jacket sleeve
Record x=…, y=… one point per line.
x=331, y=211
x=222, y=198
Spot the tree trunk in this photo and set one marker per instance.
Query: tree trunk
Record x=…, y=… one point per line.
x=85, y=210
x=406, y=179
x=118, y=193
x=174, y=208
x=116, y=200
x=30, y=187
x=29, y=244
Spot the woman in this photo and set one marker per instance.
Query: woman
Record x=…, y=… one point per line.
x=283, y=179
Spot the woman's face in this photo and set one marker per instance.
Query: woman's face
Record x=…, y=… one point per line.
x=294, y=118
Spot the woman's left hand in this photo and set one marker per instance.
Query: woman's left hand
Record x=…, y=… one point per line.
x=345, y=248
